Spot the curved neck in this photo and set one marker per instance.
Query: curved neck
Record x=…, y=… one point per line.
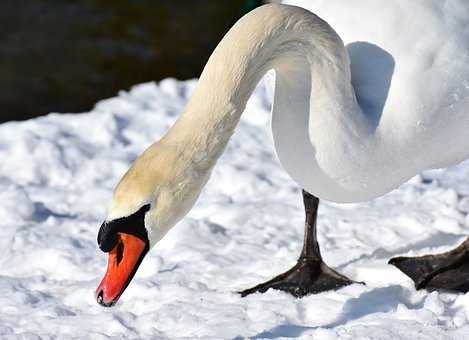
x=311, y=64
x=279, y=37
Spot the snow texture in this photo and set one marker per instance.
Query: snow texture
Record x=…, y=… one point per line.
x=57, y=174
x=56, y=177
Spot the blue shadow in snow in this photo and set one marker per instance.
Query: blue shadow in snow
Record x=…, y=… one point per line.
x=280, y=331
x=378, y=300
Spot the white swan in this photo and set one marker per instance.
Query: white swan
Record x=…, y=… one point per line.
x=331, y=147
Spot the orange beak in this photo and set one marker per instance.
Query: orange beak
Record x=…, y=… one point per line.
x=123, y=263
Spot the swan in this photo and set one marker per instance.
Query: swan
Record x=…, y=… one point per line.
x=327, y=142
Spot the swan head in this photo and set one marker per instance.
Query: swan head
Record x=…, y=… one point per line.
x=155, y=193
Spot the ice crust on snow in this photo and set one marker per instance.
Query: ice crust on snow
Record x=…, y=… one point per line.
x=57, y=174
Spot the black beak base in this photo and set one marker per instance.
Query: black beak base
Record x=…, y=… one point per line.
x=133, y=224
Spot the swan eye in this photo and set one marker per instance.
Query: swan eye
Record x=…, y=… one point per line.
x=133, y=225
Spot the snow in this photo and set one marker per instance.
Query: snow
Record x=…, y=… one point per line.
x=56, y=178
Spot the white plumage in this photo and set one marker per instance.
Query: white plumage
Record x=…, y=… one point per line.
x=333, y=146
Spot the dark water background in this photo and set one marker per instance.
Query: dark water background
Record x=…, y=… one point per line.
x=63, y=56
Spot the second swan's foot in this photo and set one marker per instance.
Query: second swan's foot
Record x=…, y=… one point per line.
x=446, y=271
x=308, y=276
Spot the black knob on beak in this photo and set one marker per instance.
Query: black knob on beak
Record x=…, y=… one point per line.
x=107, y=237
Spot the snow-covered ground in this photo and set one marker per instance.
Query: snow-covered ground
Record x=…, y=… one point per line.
x=56, y=177
x=57, y=173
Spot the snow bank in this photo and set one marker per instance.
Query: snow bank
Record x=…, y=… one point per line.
x=56, y=177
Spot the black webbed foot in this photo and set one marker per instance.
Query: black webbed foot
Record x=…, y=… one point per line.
x=308, y=276
x=446, y=271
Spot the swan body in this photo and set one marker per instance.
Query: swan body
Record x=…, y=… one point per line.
x=341, y=153
x=330, y=144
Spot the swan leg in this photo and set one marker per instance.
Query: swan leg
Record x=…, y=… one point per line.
x=446, y=271
x=310, y=275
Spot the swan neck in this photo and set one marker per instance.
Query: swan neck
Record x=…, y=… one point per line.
x=288, y=39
